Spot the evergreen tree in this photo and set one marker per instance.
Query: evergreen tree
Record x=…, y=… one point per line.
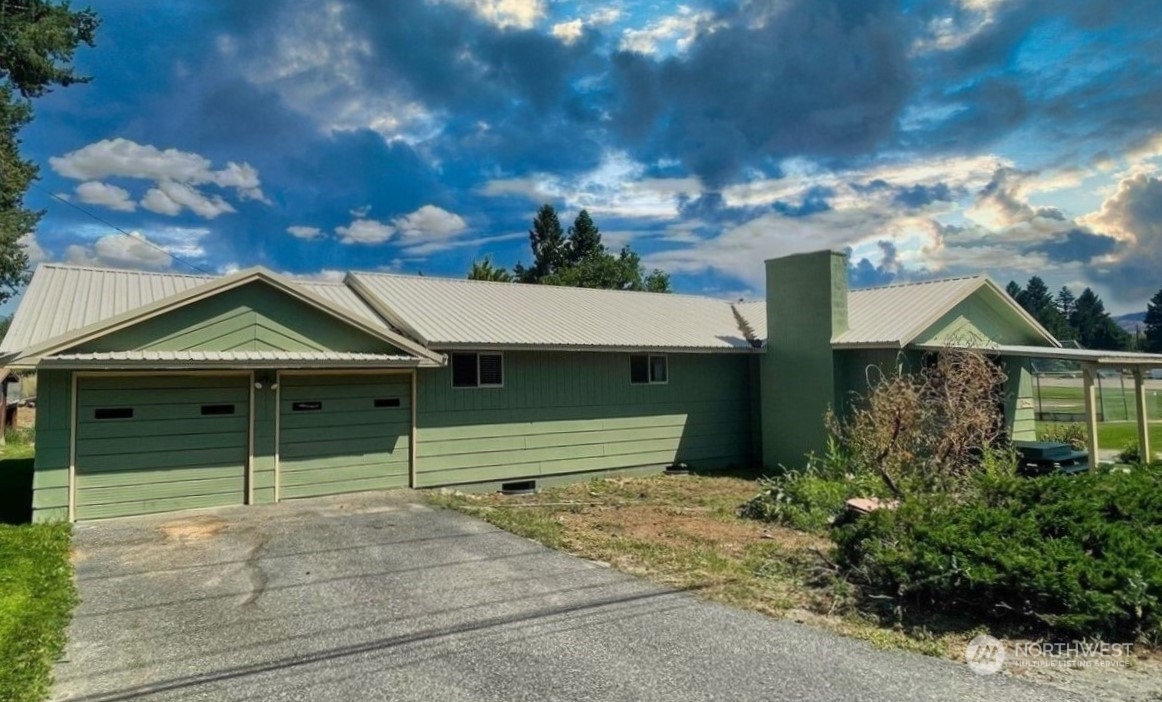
x=1014, y=291
x=485, y=270
x=1096, y=329
x=1152, y=342
x=37, y=41
x=584, y=239
x=1065, y=299
x=548, y=244
x=1039, y=302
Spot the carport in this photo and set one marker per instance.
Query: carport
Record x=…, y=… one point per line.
x=1092, y=361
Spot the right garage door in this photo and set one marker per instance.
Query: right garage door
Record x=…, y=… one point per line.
x=343, y=433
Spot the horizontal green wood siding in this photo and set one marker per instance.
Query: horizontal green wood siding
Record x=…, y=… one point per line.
x=168, y=455
x=50, y=482
x=348, y=444
x=561, y=412
x=254, y=317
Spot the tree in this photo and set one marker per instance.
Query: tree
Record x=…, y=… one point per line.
x=1153, y=338
x=485, y=270
x=1039, y=302
x=584, y=239
x=1065, y=299
x=1096, y=329
x=1014, y=291
x=548, y=244
x=582, y=260
x=37, y=41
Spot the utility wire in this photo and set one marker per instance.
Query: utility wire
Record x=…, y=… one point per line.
x=119, y=230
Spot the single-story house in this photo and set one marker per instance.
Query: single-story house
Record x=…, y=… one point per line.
x=161, y=392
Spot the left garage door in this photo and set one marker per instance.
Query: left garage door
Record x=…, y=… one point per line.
x=160, y=443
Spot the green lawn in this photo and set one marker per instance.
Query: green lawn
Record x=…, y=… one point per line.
x=1116, y=403
x=36, y=603
x=1119, y=435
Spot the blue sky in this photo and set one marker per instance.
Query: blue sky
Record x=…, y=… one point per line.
x=932, y=137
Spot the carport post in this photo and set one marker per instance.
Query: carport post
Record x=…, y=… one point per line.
x=1143, y=420
x=1090, y=391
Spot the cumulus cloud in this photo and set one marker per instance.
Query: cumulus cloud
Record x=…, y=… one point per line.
x=32, y=248
x=120, y=251
x=365, y=231
x=94, y=192
x=568, y=32
x=304, y=232
x=430, y=222
x=675, y=32
x=521, y=14
x=175, y=173
x=171, y=197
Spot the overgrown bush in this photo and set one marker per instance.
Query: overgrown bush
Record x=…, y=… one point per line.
x=812, y=498
x=1078, y=555
x=925, y=431
x=1130, y=454
x=1072, y=434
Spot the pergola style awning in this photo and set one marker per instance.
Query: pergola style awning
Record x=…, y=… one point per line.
x=1091, y=361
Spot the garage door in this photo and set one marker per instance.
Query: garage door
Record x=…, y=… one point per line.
x=342, y=433
x=160, y=443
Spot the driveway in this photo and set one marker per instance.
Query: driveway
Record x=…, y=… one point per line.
x=378, y=597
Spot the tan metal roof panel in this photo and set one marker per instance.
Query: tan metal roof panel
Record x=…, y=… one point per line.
x=446, y=313
x=228, y=358
x=60, y=299
x=342, y=297
x=894, y=314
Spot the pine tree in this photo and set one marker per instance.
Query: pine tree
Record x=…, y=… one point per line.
x=547, y=240
x=584, y=239
x=1152, y=343
x=1096, y=329
x=1014, y=291
x=1065, y=299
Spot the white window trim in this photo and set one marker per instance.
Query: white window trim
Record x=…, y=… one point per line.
x=649, y=367
x=479, y=385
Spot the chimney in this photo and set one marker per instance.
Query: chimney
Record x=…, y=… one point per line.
x=806, y=307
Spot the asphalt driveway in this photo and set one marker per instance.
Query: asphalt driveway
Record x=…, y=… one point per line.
x=378, y=597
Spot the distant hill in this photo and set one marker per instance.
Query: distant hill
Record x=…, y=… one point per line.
x=1132, y=321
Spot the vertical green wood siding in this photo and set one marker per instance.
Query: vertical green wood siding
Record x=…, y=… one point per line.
x=562, y=412
x=349, y=444
x=255, y=317
x=169, y=455
x=50, y=483
x=1020, y=415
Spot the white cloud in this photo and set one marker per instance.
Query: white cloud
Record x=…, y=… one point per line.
x=673, y=33
x=326, y=275
x=522, y=14
x=175, y=173
x=365, y=231
x=304, y=232
x=570, y=31
x=431, y=222
x=32, y=247
x=94, y=192
x=120, y=251
x=170, y=197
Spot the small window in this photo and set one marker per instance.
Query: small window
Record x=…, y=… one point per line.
x=113, y=413
x=306, y=406
x=387, y=402
x=217, y=409
x=477, y=370
x=645, y=369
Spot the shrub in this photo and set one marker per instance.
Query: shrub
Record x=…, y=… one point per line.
x=1079, y=555
x=1130, y=455
x=1072, y=434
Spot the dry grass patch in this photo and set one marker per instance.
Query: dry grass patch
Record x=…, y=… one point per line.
x=685, y=532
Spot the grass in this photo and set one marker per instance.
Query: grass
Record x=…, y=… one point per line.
x=1116, y=404
x=1119, y=435
x=684, y=532
x=36, y=603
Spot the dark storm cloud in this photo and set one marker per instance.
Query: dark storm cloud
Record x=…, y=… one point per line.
x=864, y=273
x=919, y=196
x=824, y=79
x=1075, y=246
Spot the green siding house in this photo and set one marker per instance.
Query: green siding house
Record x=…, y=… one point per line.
x=161, y=392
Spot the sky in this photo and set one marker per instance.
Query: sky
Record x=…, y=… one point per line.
x=930, y=137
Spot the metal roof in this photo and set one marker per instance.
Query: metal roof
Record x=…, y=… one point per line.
x=343, y=297
x=61, y=299
x=233, y=359
x=451, y=313
x=1105, y=358
x=67, y=305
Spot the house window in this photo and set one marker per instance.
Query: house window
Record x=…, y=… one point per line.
x=477, y=370
x=647, y=369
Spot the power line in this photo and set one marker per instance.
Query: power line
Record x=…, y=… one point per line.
x=119, y=230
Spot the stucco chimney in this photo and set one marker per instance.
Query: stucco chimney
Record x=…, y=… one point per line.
x=806, y=307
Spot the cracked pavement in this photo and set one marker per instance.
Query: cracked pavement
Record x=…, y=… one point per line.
x=377, y=596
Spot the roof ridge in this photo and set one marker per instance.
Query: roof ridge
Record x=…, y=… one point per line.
x=932, y=281
x=102, y=269
x=469, y=281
